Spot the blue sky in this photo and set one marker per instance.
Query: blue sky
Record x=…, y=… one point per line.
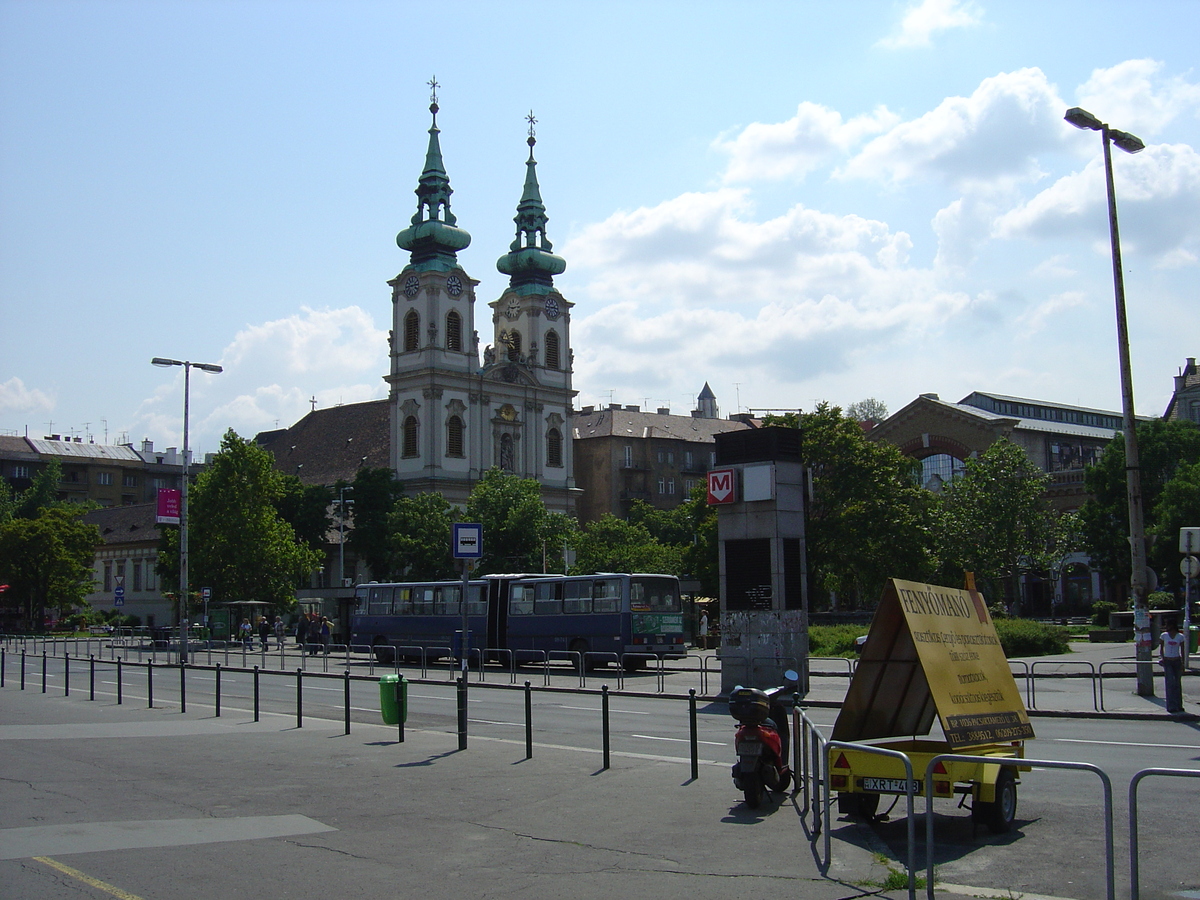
x=793, y=202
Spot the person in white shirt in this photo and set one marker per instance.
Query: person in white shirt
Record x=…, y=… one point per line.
x=1170, y=655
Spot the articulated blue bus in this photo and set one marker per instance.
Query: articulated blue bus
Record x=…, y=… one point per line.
x=612, y=617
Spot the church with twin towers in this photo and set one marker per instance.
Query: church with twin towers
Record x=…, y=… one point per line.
x=453, y=416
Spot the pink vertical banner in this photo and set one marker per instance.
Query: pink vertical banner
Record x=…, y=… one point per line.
x=168, y=506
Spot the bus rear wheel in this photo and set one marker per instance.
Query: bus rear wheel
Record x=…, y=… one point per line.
x=385, y=654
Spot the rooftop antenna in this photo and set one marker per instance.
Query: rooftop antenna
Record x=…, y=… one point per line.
x=737, y=394
x=105, y=421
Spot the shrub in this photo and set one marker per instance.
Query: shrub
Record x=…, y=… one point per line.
x=1024, y=637
x=1100, y=611
x=1163, y=600
x=834, y=640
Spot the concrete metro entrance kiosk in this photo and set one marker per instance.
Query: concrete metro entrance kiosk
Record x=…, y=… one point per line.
x=758, y=487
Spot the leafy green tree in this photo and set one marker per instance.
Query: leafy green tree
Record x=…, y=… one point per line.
x=41, y=493
x=868, y=519
x=1178, y=507
x=1163, y=449
x=519, y=533
x=238, y=543
x=46, y=560
x=701, y=556
x=306, y=509
x=667, y=526
x=869, y=410
x=614, y=545
x=375, y=492
x=421, y=528
x=994, y=520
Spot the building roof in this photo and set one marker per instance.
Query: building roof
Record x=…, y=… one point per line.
x=16, y=448
x=624, y=421
x=79, y=450
x=332, y=444
x=125, y=524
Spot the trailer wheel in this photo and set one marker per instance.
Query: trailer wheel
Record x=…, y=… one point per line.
x=999, y=815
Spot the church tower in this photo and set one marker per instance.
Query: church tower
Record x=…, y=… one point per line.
x=451, y=419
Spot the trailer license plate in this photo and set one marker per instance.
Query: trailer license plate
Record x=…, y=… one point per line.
x=888, y=785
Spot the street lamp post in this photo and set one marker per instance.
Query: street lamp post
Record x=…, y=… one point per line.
x=1081, y=118
x=183, y=496
x=342, y=501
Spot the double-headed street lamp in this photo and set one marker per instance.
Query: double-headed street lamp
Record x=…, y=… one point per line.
x=1081, y=118
x=183, y=497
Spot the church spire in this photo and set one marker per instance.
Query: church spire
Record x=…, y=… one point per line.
x=530, y=263
x=433, y=238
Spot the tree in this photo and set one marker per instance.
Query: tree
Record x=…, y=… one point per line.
x=868, y=519
x=41, y=494
x=1178, y=507
x=306, y=509
x=869, y=410
x=1164, y=447
x=614, y=545
x=519, y=533
x=994, y=520
x=375, y=492
x=421, y=529
x=46, y=560
x=667, y=526
x=238, y=543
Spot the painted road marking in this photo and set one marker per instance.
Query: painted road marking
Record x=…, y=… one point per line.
x=87, y=879
x=651, y=737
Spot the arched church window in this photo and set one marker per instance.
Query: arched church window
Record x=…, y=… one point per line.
x=514, y=346
x=552, y=355
x=454, y=436
x=410, y=437
x=412, y=331
x=554, y=448
x=453, y=331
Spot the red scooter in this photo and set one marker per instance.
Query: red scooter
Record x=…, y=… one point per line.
x=761, y=742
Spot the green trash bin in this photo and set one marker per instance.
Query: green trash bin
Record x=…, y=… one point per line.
x=1194, y=639
x=393, y=699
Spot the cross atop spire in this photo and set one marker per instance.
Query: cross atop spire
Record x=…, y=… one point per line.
x=433, y=86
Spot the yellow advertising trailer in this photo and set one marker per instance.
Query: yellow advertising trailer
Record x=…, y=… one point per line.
x=932, y=652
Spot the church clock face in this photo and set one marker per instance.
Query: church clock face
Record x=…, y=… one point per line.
x=551, y=308
x=454, y=285
x=411, y=286
x=513, y=309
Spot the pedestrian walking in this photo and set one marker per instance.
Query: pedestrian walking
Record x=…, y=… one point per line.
x=1170, y=655
x=704, y=631
x=302, y=629
x=264, y=631
x=279, y=632
x=326, y=633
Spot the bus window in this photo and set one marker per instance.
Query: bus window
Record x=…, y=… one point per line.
x=606, y=595
x=659, y=594
x=520, y=601
x=423, y=600
x=577, y=597
x=638, y=601
x=446, y=600
x=477, y=602
x=381, y=601
x=403, y=604
x=360, y=602
x=546, y=601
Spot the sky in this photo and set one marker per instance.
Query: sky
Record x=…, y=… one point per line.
x=794, y=202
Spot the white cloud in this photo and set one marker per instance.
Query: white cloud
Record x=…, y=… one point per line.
x=992, y=136
x=1134, y=96
x=792, y=149
x=272, y=370
x=923, y=20
x=1158, y=192
x=1035, y=318
x=16, y=398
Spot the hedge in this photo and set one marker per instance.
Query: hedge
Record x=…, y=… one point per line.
x=1018, y=637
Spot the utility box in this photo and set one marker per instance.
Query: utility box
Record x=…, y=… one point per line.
x=393, y=699
x=758, y=487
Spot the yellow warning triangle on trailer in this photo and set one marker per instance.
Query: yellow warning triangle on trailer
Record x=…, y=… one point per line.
x=933, y=651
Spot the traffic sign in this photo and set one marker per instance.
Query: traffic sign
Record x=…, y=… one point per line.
x=721, y=486
x=468, y=540
x=119, y=595
x=1189, y=566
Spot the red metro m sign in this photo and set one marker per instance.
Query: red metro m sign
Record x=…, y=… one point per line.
x=721, y=487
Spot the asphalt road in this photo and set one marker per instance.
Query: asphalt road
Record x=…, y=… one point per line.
x=1056, y=849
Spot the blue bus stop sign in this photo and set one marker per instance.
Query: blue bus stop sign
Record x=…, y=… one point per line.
x=468, y=540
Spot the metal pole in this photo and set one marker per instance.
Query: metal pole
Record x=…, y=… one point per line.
x=299, y=698
x=91, y=677
x=604, y=720
x=150, y=684
x=120, y=697
x=528, y=721
x=43, y=668
x=256, y=693
x=22, y=670
x=182, y=688
x=183, y=522
x=66, y=674
x=462, y=711
x=347, y=682
x=218, y=689
x=694, y=741
x=1133, y=475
